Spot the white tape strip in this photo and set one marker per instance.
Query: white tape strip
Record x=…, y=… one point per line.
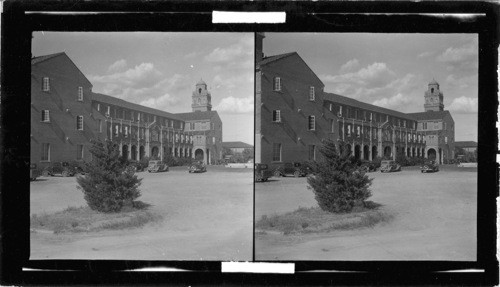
x=248, y=17
x=258, y=267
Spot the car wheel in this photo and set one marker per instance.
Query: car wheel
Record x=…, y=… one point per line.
x=65, y=173
x=277, y=173
x=296, y=173
x=45, y=173
x=258, y=178
x=422, y=171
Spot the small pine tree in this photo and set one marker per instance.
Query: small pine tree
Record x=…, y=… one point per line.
x=108, y=184
x=337, y=182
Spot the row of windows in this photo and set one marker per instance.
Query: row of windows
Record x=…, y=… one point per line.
x=277, y=86
x=46, y=88
x=201, y=126
x=434, y=126
x=46, y=118
x=353, y=113
x=136, y=116
x=311, y=121
x=45, y=154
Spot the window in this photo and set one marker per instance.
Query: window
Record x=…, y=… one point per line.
x=46, y=84
x=312, y=152
x=436, y=125
x=348, y=130
x=358, y=131
x=116, y=130
x=277, y=84
x=45, y=116
x=108, y=112
x=444, y=126
x=340, y=111
x=138, y=117
x=212, y=126
x=98, y=107
x=276, y=152
x=331, y=107
x=191, y=126
x=80, y=94
x=99, y=124
x=126, y=131
x=312, y=95
x=277, y=116
x=79, y=151
x=312, y=123
x=45, y=152
x=424, y=125
x=332, y=125
x=79, y=123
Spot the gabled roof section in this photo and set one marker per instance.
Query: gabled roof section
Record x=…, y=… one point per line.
x=128, y=105
x=466, y=144
x=431, y=115
x=270, y=59
x=275, y=58
x=355, y=103
x=237, y=144
x=197, y=116
x=39, y=59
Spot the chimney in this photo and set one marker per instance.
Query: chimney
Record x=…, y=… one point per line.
x=259, y=55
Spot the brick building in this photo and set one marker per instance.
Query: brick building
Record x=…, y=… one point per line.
x=437, y=125
x=294, y=116
x=66, y=115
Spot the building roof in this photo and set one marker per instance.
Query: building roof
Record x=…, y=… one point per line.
x=270, y=59
x=430, y=115
x=201, y=82
x=197, y=116
x=433, y=82
x=36, y=60
x=122, y=103
x=237, y=144
x=463, y=144
x=355, y=103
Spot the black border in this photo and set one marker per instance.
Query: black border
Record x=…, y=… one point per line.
x=374, y=17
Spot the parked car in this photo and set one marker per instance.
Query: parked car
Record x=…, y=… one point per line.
x=157, y=166
x=198, y=166
x=389, y=165
x=34, y=172
x=78, y=166
x=59, y=168
x=137, y=166
x=429, y=166
x=292, y=168
x=367, y=166
x=262, y=172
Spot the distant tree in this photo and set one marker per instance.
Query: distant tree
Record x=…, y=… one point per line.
x=247, y=154
x=337, y=182
x=108, y=184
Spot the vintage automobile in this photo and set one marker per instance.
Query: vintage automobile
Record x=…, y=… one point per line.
x=34, y=172
x=296, y=169
x=198, y=166
x=389, y=165
x=367, y=166
x=59, y=168
x=136, y=166
x=429, y=166
x=157, y=166
x=262, y=172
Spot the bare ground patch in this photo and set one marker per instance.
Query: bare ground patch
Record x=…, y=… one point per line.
x=84, y=219
x=314, y=220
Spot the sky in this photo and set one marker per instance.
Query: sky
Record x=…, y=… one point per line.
x=160, y=70
x=393, y=70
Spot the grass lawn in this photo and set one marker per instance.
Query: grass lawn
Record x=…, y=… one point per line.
x=314, y=220
x=84, y=219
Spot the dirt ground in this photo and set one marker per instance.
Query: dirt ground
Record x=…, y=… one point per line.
x=207, y=216
x=435, y=219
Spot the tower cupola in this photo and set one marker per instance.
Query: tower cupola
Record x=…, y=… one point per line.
x=433, y=97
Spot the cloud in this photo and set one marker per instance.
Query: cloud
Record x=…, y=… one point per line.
x=375, y=74
x=191, y=55
x=460, y=54
x=397, y=102
x=349, y=66
x=117, y=66
x=464, y=105
x=461, y=82
x=425, y=54
x=141, y=75
x=164, y=102
x=232, y=82
x=243, y=48
x=236, y=105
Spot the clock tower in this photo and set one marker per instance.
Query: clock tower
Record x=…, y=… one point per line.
x=433, y=97
x=202, y=100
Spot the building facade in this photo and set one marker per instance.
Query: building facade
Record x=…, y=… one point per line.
x=294, y=117
x=66, y=116
x=437, y=125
